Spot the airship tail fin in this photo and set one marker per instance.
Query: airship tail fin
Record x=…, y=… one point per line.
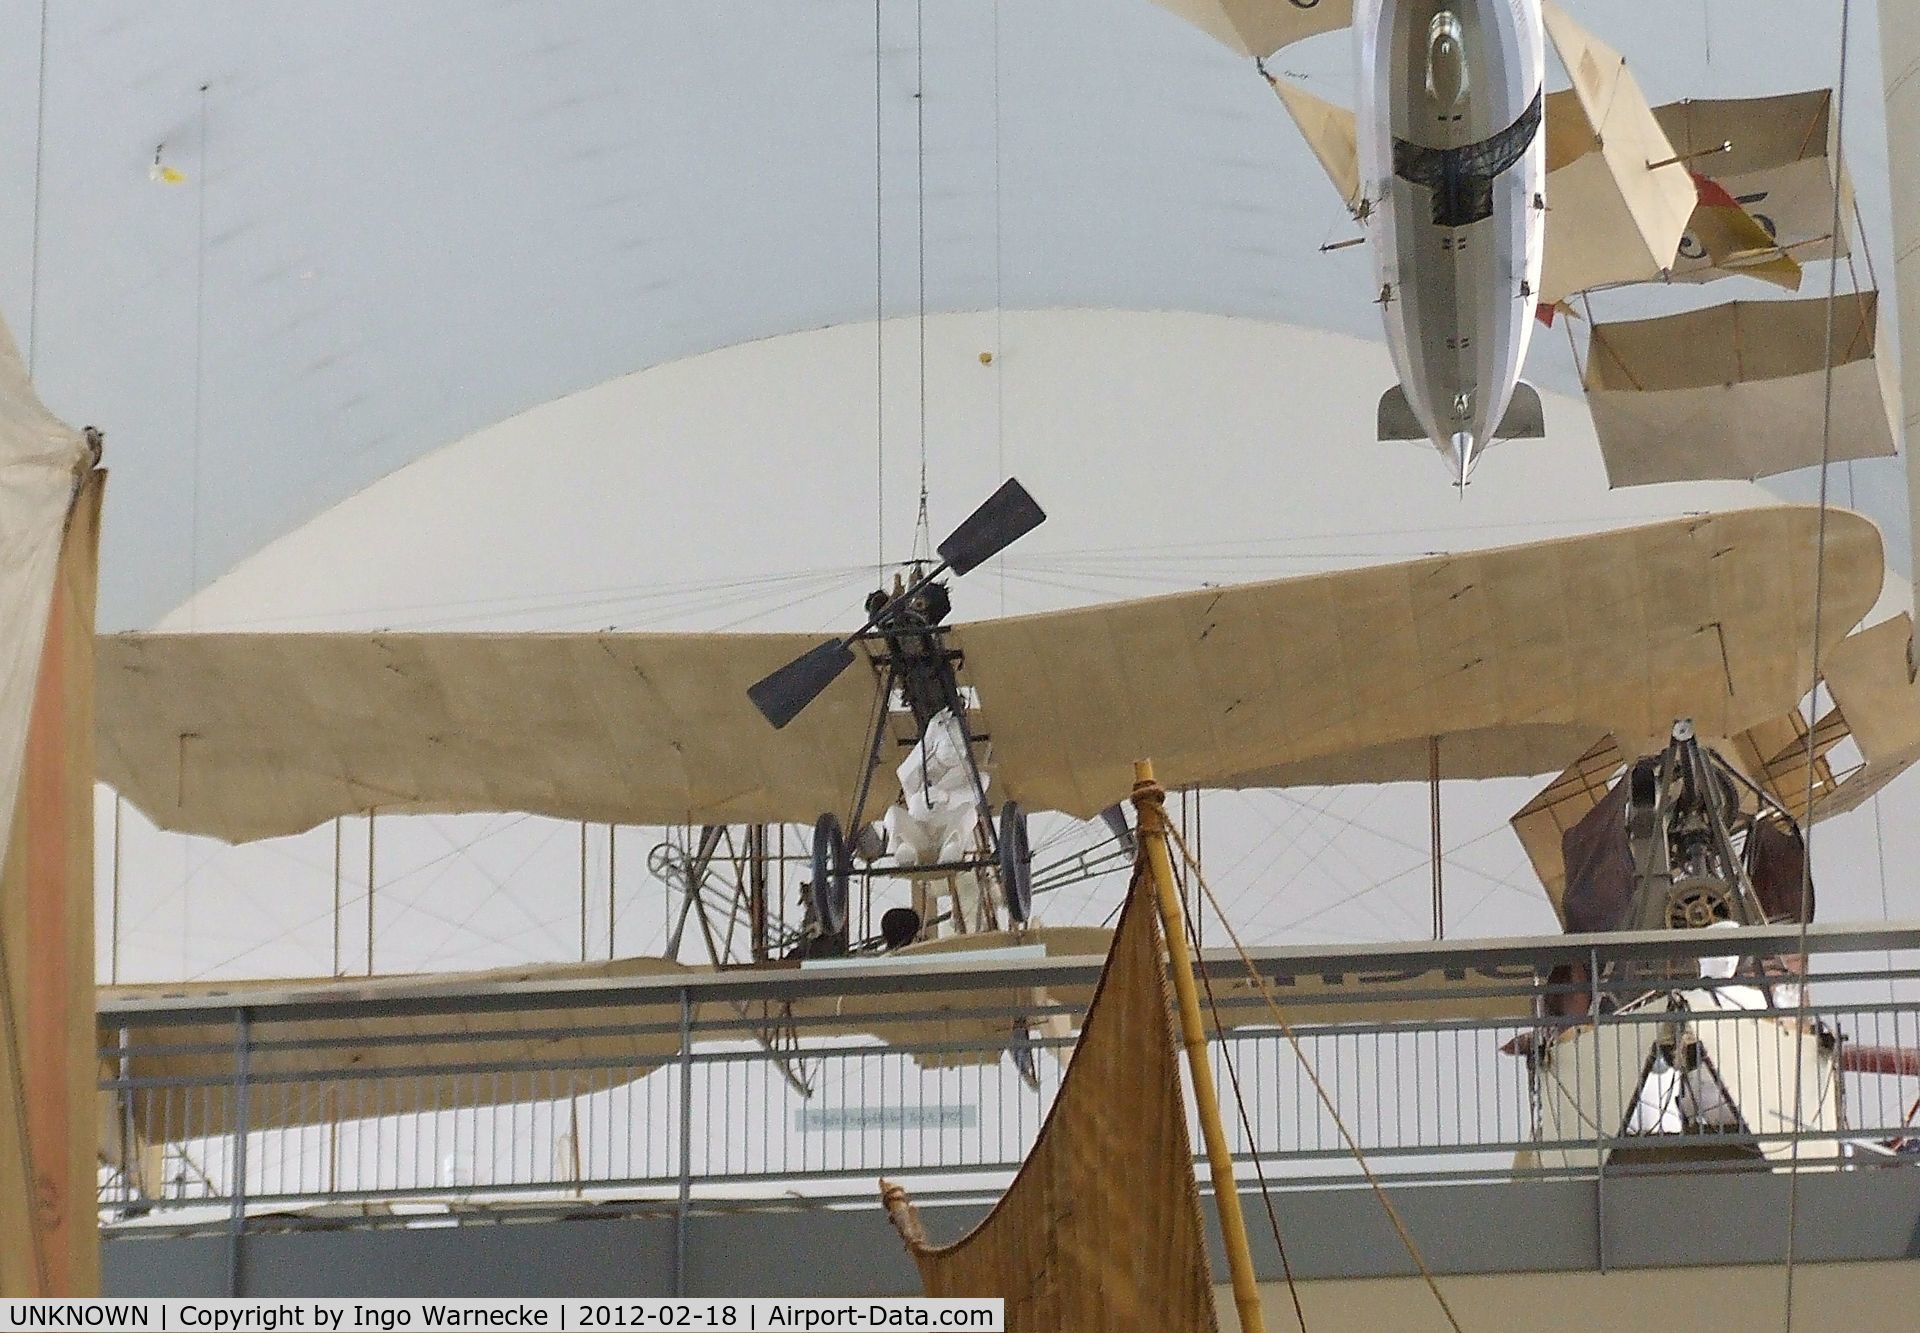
x=1396, y=419
x=1525, y=419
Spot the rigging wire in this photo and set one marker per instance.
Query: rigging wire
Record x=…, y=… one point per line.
x=1239, y=1098
x=1313, y=1076
x=999, y=299
x=1819, y=594
x=879, y=320
x=39, y=160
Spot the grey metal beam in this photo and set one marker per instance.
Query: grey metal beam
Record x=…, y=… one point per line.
x=776, y=982
x=1653, y=1221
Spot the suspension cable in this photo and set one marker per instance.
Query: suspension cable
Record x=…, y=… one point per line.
x=879, y=320
x=923, y=534
x=1798, y=1125
x=1326, y=1099
x=1239, y=1098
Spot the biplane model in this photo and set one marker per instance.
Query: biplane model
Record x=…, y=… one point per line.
x=1491, y=205
x=1509, y=661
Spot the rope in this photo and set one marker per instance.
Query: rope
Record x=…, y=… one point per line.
x=1313, y=1076
x=1819, y=598
x=1239, y=1100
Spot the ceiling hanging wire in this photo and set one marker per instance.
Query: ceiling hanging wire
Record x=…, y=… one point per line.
x=39, y=159
x=922, y=533
x=1797, y=1127
x=879, y=322
x=999, y=302
x=199, y=363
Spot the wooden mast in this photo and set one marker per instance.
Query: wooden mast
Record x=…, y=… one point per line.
x=49, y=1111
x=1150, y=802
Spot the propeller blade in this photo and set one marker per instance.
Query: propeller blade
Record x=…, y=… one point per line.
x=782, y=695
x=1008, y=515
x=1116, y=817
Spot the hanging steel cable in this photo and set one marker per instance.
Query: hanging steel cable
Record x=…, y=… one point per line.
x=1265, y=988
x=1819, y=590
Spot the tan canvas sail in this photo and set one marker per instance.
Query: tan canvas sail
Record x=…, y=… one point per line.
x=1100, y=1232
x=49, y=1242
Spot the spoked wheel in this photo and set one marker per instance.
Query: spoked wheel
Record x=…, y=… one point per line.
x=1016, y=863
x=832, y=874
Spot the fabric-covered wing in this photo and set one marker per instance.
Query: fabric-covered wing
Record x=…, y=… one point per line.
x=1332, y=135
x=1709, y=618
x=1613, y=216
x=1343, y=676
x=245, y=736
x=1739, y=390
x=1780, y=170
x=1261, y=27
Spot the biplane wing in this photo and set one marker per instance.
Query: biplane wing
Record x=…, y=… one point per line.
x=1512, y=651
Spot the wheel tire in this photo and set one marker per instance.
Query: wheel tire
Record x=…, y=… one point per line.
x=832, y=875
x=1016, y=863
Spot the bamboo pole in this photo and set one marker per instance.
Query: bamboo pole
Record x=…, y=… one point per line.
x=1150, y=803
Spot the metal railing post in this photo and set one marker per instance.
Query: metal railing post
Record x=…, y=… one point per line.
x=237, y=1219
x=1599, y=1110
x=680, y=1216
x=130, y=1164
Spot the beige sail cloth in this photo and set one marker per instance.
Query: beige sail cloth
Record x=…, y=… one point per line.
x=1515, y=658
x=1261, y=27
x=1739, y=391
x=1616, y=213
x=41, y=459
x=1781, y=169
x=1100, y=1231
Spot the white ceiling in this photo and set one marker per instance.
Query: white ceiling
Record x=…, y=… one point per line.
x=402, y=223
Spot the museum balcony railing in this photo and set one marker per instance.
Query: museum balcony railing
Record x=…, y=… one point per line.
x=786, y=1087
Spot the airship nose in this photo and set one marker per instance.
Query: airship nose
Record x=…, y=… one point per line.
x=1447, y=77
